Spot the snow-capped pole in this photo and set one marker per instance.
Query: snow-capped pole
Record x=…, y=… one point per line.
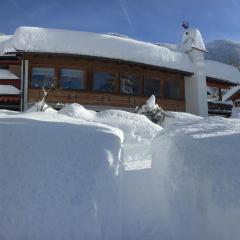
x=195, y=85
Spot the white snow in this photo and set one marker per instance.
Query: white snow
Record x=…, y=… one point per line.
x=4, y=37
x=192, y=38
x=79, y=174
x=230, y=93
x=5, y=74
x=151, y=103
x=58, y=178
x=222, y=71
x=9, y=90
x=32, y=39
x=136, y=128
x=235, y=112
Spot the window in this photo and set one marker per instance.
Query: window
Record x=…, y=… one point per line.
x=42, y=77
x=151, y=87
x=172, y=89
x=129, y=84
x=72, y=79
x=103, y=81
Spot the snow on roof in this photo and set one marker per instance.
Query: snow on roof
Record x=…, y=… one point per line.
x=9, y=90
x=230, y=93
x=5, y=74
x=4, y=37
x=192, y=38
x=171, y=46
x=222, y=71
x=32, y=39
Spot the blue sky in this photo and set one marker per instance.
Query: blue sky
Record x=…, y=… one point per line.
x=148, y=20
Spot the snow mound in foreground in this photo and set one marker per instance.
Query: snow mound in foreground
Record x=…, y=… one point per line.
x=58, y=179
x=136, y=128
x=196, y=165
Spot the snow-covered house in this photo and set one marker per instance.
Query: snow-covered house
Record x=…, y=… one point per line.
x=9, y=90
x=104, y=70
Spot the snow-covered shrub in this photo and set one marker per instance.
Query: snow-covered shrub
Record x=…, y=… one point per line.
x=42, y=106
x=152, y=111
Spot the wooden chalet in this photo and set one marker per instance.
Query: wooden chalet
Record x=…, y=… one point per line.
x=104, y=71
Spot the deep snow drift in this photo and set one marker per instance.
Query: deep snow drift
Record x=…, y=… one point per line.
x=198, y=177
x=58, y=178
x=78, y=174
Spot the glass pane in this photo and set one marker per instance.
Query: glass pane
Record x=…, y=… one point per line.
x=129, y=84
x=172, y=89
x=103, y=81
x=42, y=77
x=151, y=87
x=72, y=79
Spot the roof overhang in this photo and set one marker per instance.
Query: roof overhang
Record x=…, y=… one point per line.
x=220, y=82
x=185, y=73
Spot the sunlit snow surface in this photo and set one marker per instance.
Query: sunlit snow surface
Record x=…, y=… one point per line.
x=78, y=174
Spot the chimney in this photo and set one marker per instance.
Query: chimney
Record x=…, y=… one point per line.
x=195, y=86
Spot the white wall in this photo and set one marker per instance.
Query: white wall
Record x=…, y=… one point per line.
x=195, y=86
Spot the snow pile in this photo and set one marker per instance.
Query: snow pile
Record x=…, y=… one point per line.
x=222, y=71
x=5, y=74
x=58, y=178
x=196, y=170
x=136, y=128
x=9, y=90
x=32, y=39
x=64, y=179
x=235, y=112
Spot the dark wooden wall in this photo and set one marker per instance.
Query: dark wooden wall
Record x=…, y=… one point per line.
x=89, y=97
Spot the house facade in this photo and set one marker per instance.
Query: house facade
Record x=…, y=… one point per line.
x=104, y=71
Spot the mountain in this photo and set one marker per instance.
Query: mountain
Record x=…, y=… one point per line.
x=225, y=51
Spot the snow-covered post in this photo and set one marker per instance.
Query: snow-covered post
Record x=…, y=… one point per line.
x=195, y=86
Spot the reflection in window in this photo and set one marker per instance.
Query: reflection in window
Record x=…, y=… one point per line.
x=129, y=84
x=151, y=87
x=42, y=77
x=72, y=79
x=103, y=81
x=172, y=89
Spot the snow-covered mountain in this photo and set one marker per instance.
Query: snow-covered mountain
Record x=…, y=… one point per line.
x=225, y=51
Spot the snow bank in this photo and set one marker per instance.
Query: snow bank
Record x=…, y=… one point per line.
x=58, y=178
x=32, y=39
x=196, y=170
x=136, y=128
x=235, y=112
x=9, y=90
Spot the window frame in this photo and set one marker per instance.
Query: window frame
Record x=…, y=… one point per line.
x=55, y=79
x=179, y=89
x=157, y=78
x=115, y=75
x=83, y=69
x=140, y=83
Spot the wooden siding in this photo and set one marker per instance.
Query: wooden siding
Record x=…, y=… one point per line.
x=88, y=97
x=102, y=99
x=14, y=82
